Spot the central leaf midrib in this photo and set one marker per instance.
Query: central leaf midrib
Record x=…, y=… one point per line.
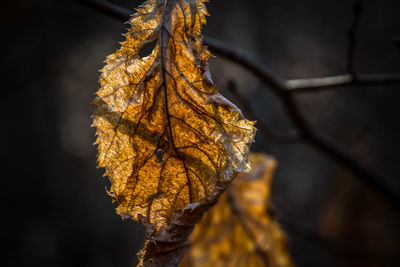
x=165, y=36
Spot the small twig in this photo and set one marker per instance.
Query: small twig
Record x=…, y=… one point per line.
x=279, y=87
x=314, y=85
x=282, y=138
x=352, y=34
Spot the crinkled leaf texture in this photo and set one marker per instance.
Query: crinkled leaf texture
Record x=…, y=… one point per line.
x=170, y=143
x=238, y=230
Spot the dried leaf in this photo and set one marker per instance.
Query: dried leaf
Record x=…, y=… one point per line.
x=170, y=143
x=238, y=231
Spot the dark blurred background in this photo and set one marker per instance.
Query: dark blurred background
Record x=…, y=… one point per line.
x=56, y=211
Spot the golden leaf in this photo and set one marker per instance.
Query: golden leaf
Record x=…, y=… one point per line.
x=238, y=231
x=170, y=143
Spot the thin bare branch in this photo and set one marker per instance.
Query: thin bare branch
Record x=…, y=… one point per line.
x=279, y=87
x=242, y=58
x=272, y=79
x=238, y=56
x=315, y=85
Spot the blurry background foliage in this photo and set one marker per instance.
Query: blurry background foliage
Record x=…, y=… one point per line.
x=56, y=212
x=241, y=230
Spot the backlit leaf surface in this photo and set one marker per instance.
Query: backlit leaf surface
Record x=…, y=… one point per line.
x=238, y=231
x=170, y=143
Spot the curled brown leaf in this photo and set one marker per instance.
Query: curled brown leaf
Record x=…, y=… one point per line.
x=170, y=143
